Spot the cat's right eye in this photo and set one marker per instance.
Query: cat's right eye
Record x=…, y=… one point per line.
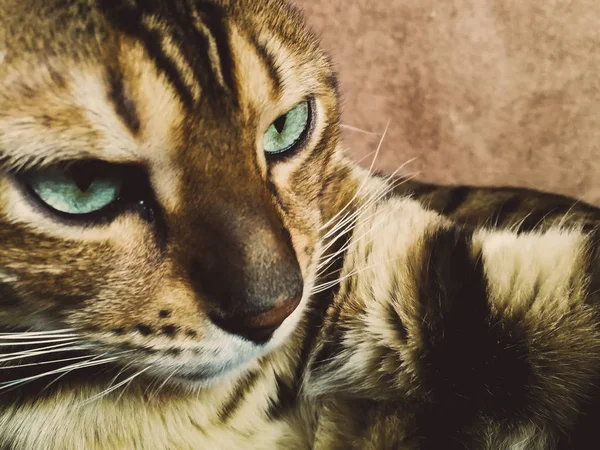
x=73, y=191
x=82, y=190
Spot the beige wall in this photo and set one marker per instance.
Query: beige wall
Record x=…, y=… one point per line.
x=480, y=91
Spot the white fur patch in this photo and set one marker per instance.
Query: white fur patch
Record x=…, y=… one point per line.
x=6, y=278
x=519, y=266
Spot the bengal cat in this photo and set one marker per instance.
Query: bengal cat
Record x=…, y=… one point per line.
x=188, y=261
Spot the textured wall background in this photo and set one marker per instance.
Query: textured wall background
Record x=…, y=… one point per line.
x=480, y=91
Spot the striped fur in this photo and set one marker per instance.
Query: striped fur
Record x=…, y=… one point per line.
x=430, y=317
x=465, y=338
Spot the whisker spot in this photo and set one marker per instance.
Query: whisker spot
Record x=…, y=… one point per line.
x=144, y=330
x=164, y=314
x=169, y=330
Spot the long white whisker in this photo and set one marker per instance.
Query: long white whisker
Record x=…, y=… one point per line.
x=367, y=205
x=358, y=130
x=349, y=243
x=25, y=334
x=365, y=157
x=387, y=186
x=329, y=284
x=44, y=350
x=127, y=385
x=363, y=183
x=92, y=359
x=354, y=242
x=21, y=343
x=20, y=337
x=81, y=365
x=348, y=218
x=163, y=384
x=123, y=369
x=113, y=388
x=44, y=362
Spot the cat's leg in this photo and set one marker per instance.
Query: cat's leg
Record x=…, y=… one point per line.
x=470, y=338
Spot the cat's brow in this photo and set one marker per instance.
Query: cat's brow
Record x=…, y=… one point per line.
x=28, y=150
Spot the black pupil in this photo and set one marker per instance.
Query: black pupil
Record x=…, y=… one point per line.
x=280, y=123
x=83, y=175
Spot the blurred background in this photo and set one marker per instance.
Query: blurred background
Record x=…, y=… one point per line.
x=487, y=92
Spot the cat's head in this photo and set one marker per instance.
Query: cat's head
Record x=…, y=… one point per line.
x=162, y=169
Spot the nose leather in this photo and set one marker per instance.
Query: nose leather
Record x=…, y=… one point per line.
x=259, y=328
x=247, y=275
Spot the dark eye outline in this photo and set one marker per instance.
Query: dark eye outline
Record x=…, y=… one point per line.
x=135, y=193
x=302, y=139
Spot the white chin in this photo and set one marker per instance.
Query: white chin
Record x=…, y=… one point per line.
x=225, y=356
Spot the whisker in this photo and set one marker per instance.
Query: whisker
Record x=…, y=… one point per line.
x=43, y=362
x=44, y=350
x=16, y=344
x=387, y=186
x=358, y=130
x=365, y=157
x=348, y=218
x=163, y=384
x=92, y=359
x=331, y=257
x=81, y=365
x=115, y=387
x=323, y=287
x=35, y=333
x=123, y=369
x=26, y=338
x=346, y=247
x=126, y=386
x=353, y=241
x=363, y=183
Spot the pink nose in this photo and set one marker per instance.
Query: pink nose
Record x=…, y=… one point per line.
x=260, y=327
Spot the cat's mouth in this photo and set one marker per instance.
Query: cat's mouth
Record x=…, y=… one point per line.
x=180, y=350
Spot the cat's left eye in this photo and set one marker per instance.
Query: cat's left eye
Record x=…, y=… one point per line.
x=289, y=130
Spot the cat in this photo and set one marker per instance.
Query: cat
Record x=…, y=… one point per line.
x=188, y=261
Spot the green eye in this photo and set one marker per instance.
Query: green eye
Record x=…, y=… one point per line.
x=78, y=190
x=288, y=130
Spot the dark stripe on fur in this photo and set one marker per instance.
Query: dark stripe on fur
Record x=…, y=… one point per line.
x=195, y=45
x=415, y=189
x=124, y=105
x=471, y=362
x=585, y=430
x=534, y=220
x=284, y=399
x=505, y=211
x=333, y=332
x=238, y=395
x=501, y=207
x=214, y=19
x=127, y=18
x=269, y=62
x=456, y=198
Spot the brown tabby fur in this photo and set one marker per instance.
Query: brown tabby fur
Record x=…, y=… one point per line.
x=423, y=328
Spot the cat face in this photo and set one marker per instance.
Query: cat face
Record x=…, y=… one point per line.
x=162, y=166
